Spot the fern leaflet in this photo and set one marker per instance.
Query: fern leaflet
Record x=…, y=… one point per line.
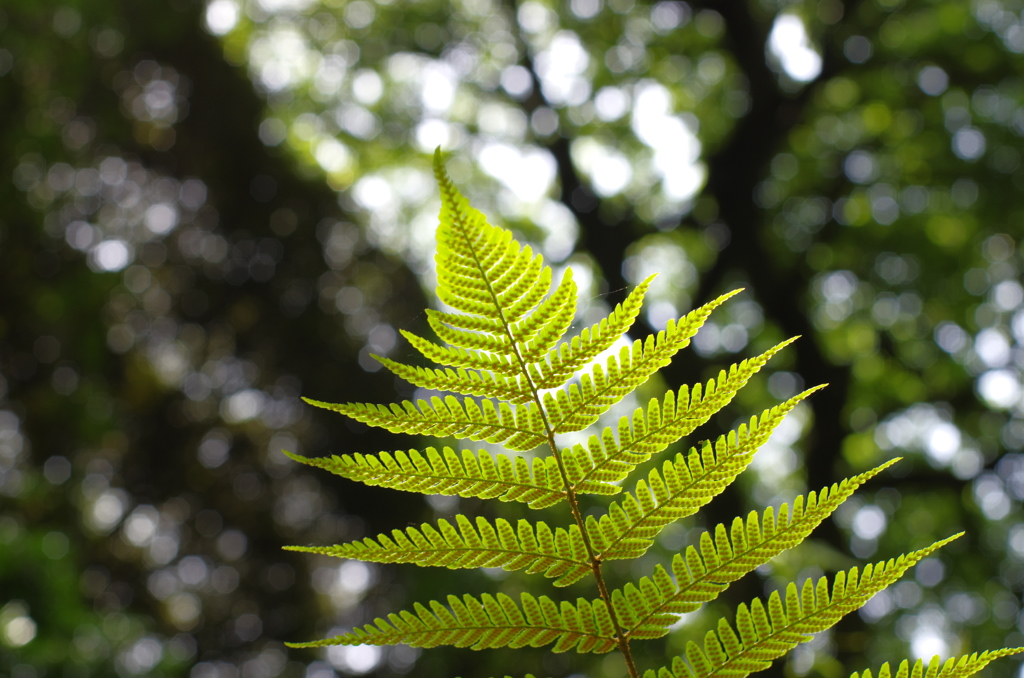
x=519, y=429
x=557, y=553
x=966, y=665
x=464, y=382
x=490, y=622
x=472, y=474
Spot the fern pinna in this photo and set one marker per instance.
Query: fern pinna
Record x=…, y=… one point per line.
x=502, y=355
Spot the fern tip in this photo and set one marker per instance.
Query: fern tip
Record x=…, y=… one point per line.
x=805, y=393
x=733, y=293
x=884, y=465
x=315, y=403
x=295, y=457
x=439, y=169
x=302, y=645
x=942, y=542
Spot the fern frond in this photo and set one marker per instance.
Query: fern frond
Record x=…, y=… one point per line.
x=471, y=474
x=564, y=361
x=729, y=555
x=520, y=429
x=533, y=547
x=607, y=460
x=490, y=622
x=500, y=348
x=767, y=634
x=684, y=485
x=463, y=382
x=965, y=665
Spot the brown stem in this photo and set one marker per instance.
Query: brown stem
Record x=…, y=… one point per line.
x=595, y=560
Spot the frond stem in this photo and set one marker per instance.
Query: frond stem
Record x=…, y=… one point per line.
x=622, y=637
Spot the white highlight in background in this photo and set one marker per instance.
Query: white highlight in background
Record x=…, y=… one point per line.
x=676, y=147
x=790, y=45
x=221, y=16
x=528, y=173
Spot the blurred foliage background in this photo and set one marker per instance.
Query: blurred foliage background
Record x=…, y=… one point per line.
x=208, y=209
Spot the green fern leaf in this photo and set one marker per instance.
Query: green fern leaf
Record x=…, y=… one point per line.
x=473, y=474
x=684, y=485
x=533, y=547
x=520, y=429
x=463, y=358
x=728, y=556
x=490, y=622
x=501, y=348
x=966, y=665
x=767, y=634
x=464, y=382
x=477, y=341
x=609, y=459
x=474, y=323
